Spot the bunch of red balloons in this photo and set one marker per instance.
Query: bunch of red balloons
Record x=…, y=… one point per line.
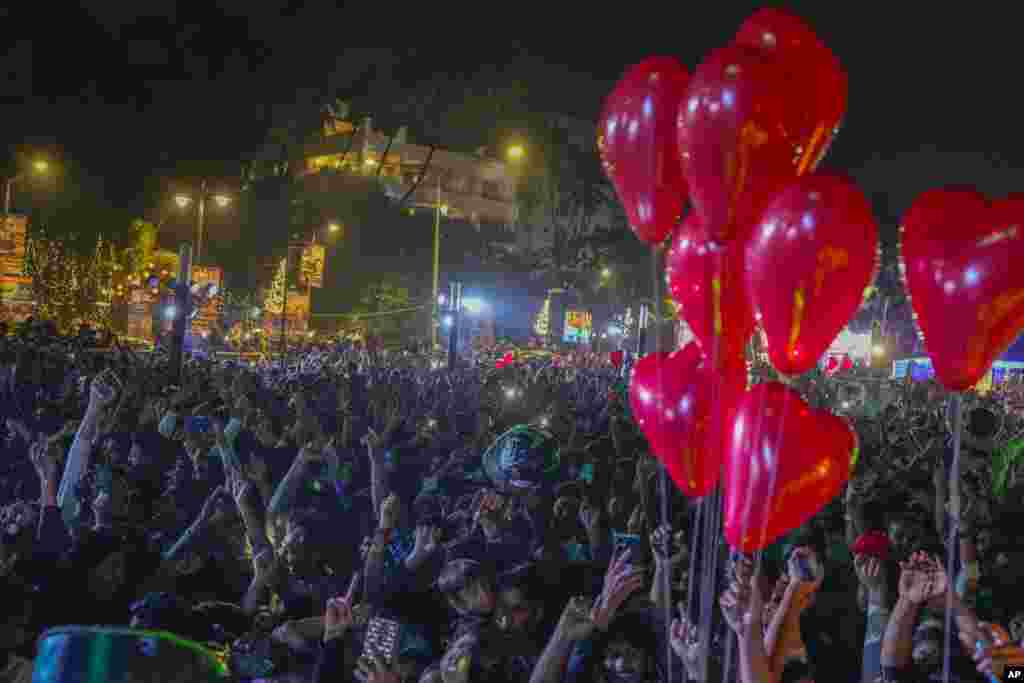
x=772, y=240
x=767, y=239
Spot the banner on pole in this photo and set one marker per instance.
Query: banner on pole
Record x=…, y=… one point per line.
x=313, y=257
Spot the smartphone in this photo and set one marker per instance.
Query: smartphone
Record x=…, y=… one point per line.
x=381, y=641
x=625, y=543
x=587, y=472
x=197, y=425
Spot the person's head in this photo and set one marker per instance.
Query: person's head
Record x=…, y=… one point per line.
x=520, y=600
x=627, y=653
x=905, y=534
x=15, y=627
x=797, y=671
x=467, y=587
x=161, y=612
x=298, y=549
x=473, y=655
x=1016, y=629
x=108, y=578
x=982, y=423
x=432, y=674
x=566, y=515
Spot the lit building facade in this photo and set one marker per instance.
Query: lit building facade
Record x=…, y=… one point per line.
x=478, y=189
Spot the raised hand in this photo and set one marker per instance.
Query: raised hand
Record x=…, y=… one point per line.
x=870, y=572
x=741, y=604
x=427, y=541
x=389, y=510
x=576, y=622
x=104, y=390
x=590, y=517
x=921, y=579
x=339, y=615
x=637, y=521
x=621, y=581
x=376, y=670
x=212, y=507
x=373, y=442
x=44, y=464
x=661, y=543
x=685, y=641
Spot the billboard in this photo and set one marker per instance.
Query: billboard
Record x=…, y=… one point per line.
x=208, y=315
x=12, y=244
x=578, y=327
x=297, y=314
x=312, y=266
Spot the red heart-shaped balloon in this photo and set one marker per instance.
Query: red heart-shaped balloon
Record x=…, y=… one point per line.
x=746, y=127
x=789, y=39
x=636, y=139
x=683, y=408
x=784, y=462
x=808, y=261
x=706, y=280
x=962, y=259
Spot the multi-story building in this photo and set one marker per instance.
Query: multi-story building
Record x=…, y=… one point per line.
x=476, y=188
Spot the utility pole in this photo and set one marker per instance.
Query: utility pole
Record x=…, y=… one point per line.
x=437, y=267
x=182, y=309
x=200, y=220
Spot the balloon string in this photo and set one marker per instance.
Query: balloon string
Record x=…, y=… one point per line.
x=666, y=582
x=712, y=523
x=952, y=533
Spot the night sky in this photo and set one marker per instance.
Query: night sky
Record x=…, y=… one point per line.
x=135, y=90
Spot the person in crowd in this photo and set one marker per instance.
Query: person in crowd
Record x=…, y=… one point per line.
x=334, y=517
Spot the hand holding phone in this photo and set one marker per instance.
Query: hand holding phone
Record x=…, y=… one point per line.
x=197, y=424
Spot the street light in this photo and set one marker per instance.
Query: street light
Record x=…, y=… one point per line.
x=183, y=201
x=606, y=273
x=333, y=227
x=473, y=306
x=878, y=350
x=39, y=167
x=515, y=153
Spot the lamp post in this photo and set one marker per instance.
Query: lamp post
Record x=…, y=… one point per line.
x=182, y=308
x=39, y=167
x=438, y=210
x=183, y=200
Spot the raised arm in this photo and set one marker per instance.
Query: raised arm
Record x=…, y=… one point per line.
x=101, y=395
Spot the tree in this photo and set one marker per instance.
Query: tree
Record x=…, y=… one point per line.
x=563, y=190
x=386, y=305
x=70, y=288
x=275, y=297
x=139, y=254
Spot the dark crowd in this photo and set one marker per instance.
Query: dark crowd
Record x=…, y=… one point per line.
x=336, y=517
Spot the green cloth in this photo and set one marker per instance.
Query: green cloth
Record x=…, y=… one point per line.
x=1002, y=463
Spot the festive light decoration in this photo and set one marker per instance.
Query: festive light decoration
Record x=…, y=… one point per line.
x=275, y=295
x=542, y=325
x=70, y=288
